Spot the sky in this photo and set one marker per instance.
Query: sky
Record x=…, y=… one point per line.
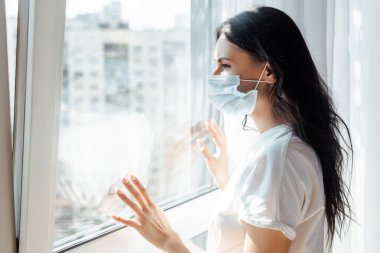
x=140, y=13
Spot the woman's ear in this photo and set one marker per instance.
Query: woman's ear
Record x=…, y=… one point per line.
x=270, y=77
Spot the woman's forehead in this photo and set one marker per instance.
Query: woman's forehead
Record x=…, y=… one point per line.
x=224, y=49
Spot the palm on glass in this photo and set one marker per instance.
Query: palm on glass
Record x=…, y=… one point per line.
x=216, y=163
x=151, y=221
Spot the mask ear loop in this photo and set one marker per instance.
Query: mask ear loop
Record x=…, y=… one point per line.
x=245, y=128
x=262, y=73
x=257, y=81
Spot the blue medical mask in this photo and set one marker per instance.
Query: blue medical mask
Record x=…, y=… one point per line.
x=223, y=94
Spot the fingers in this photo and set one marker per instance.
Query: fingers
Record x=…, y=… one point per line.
x=215, y=132
x=210, y=128
x=134, y=193
x=129, y=202
x=127, y=222
x=204, y=150
x=141, y=189
x=217, y=127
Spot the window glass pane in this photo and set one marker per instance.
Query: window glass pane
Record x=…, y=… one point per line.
x=126, y=108
x=11, y=8
x=11, y=13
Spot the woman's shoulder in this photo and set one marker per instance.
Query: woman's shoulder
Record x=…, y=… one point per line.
x=288, y=159
x=289, y=146
x=276, y=146
x=283, y=149
x=269, y=152
x=300, y=152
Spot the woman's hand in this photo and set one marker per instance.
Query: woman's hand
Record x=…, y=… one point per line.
x=217, y=163
x=151, y=221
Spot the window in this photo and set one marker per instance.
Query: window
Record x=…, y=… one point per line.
x=11, y=12
x=138, y=103
x=77, y=75
x=11, y=26
x=74, y=157
x=94, y=74
x=127, y=125
x=79, y=86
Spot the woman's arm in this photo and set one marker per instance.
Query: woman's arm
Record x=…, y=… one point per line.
x=183, y=245
x=264, y=240
x=175, y=244
x=192, y=247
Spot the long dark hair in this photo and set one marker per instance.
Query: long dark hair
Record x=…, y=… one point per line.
x=300, y=98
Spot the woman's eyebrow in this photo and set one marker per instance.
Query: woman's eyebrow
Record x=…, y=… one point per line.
x=222, y=58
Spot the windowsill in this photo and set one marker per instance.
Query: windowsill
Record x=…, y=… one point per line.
x=188, y=219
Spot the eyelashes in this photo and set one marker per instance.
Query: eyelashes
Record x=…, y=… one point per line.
x=225, y=66
x=221, y=67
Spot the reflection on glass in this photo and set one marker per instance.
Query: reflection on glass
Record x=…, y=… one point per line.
x=11, y=13
x=125, y=109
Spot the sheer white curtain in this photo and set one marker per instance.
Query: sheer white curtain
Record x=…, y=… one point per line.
x=343, y=37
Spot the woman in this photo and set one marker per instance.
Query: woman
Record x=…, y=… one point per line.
x=290, y=181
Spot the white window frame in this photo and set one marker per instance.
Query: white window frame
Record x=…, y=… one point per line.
x=45, y=33
x=43, y=25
